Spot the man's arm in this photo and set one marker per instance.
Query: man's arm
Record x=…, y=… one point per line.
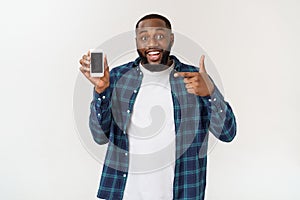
x=221, y=118
x=100, y=117
x=222, y=123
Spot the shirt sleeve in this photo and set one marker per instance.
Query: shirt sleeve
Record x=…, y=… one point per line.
x=100, y=116
x=222, y=123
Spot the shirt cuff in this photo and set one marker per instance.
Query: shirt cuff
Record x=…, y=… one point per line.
x=99, y=95
x=100, y=98
x=215, y=101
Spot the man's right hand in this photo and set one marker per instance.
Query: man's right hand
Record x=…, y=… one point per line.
x=100, y=83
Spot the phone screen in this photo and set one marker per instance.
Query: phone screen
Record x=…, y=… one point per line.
x=97, y=62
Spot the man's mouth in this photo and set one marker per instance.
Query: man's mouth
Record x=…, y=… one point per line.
x=153, y=55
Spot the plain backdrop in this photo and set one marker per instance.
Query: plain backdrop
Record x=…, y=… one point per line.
x=254, y=45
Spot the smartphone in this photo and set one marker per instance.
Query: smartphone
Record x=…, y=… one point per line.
x=97, y=63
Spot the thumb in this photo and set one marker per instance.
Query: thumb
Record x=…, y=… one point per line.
x=105, y=62
x=202, y=66
x=106, y=68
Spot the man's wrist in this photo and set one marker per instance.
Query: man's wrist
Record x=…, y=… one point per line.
x=98, y=90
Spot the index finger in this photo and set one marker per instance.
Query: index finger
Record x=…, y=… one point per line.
x=186, y=74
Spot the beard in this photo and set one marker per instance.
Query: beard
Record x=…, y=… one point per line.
x=156, y=67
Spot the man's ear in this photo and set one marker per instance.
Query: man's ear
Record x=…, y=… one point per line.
x=172, y=39
x=136, y=43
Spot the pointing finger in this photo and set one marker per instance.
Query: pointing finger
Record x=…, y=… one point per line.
x=186, y=74
x=192, y=79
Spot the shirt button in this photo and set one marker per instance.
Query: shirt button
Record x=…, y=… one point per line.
x=99, y=99
x=126, y=154
x=141, y=73
x=128, y=111
x=135, y=91
x=215, y=99
x=209, y=100
x=99, y=114
x=124, y=132
x=124, y=175
x=221, y=110
x=103, y=97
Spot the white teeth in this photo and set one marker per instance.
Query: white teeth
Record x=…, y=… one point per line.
x=153, y=52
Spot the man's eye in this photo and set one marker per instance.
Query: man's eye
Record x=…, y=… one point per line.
x=159, y=36
x=144, y=38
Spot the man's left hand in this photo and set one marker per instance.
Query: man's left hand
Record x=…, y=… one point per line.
x=197, y=83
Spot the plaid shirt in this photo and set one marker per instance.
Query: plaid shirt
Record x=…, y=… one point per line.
x=194, y=116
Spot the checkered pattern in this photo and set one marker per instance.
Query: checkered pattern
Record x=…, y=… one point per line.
x=194, y=116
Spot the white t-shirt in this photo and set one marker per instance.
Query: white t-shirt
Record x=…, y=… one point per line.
x=151, y=134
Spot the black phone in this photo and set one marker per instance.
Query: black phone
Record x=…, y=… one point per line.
x=97, y=63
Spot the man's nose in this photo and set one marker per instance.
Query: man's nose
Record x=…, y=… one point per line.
x=152, y=42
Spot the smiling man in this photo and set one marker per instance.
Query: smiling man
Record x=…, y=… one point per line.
x=154, y=40
x=155, y=114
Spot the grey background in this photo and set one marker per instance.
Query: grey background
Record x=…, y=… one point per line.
x=254, y=45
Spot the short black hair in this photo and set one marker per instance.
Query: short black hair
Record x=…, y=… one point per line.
x=155, y=16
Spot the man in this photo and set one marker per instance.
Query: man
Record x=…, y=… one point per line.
x=189, y=104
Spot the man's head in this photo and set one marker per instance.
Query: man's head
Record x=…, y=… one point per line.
x=154, y=39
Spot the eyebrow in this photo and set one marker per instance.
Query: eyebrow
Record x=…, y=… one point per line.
x=157, y=29
x=143, y=31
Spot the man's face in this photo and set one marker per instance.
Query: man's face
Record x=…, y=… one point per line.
x=154, y=41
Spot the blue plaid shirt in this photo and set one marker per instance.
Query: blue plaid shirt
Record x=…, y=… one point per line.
x=194, y=116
